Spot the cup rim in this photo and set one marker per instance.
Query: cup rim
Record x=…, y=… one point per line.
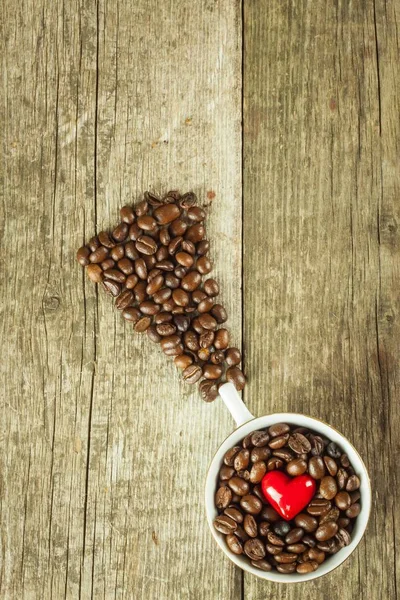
x=319, y=426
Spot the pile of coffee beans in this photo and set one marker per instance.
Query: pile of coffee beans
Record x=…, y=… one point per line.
x=253, y=528
x=153, y=263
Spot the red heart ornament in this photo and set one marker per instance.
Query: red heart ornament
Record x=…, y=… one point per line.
x=288, y=495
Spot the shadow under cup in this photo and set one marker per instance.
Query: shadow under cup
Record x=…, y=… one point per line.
x=332, y=562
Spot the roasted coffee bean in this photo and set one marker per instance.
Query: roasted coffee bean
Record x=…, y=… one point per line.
x=174, y=351
x=146, y=245
x=285, y=455
x=174, y=245
x=258, y=454
x=196, y=214
x=130, y=251
x=275, y=539
x=285, y=558
x=330, y=546
x=124, y=300
x=205, y=305
x=162, y=295
x=120, y=232
x=281, y=528
x=191, y=341
x=259, y=438
x=95, y=273
x=245, y=474
x=183, y=361
x=296, y=467
x=294, y=536
x=223, y=497
x=343, y=500
x=333, y=450
x=207, y=322
x=180, y=297
x=317, y=445
x=262, y=564
x=275, y=463
x=208, y=390
x=355, y=496
x=344, y=461
x=166, y=213
x=211, y=371
x=162, y=254
x=258, y=471
x=274, y=550
x=142, y=324
x=250, y=526
x=134, y=232
x=343, y=522
x=318, y=507
x=192, y=373
x=353, y=511
x=235, y=376
x=278, y=430
x=82, y=256
x=153, y=335
x=221, y=340
x=317, y=555
x=203, y=247
x=328, y=487
x=195, y=233
x=278, y=442
x=309, y=540
x=229, y=456
x=343, y=537
x=115, y=275
x=171, y=281
x=353, y=483
x=263, y=528
x=239, y=486
x=234, y=544
x=149, y=308
x=307, y=567
x=141, y=208
x=180, y=272
x=206, y=339
x=109, y=263
x=165, y=237
x=331, y=465
x=225, y=524
x=326, y=531
x=341, y=478
x=168, y=266
x=217, y=358
x=140, y=268
x=132, y=314
x=306, y=522
x=234, y=513
x=126, y=266
x=332, y=515
x=112, y=287
x=98, y=255
x=233, y=357
x=93, y=243
x=251, y=504
x=269, y=514
x=204, y=265
x=166, y=329
x=299, y=443
x=288, y=568
x=211, y=288
x=191, y=281
x=106, y=240
x=163, y=317
x=219, y=313
x=316, y=467
x=184, y=259
x=254, y=548
x=182, y=323
x=170, y=341
x=127, y=214
x=242, y=460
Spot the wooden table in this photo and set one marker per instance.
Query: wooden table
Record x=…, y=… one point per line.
x=284, y=118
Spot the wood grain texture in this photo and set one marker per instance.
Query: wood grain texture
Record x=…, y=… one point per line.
x=321, y=230
x=104, y=451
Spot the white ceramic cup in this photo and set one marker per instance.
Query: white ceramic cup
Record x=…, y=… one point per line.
x=247, y=423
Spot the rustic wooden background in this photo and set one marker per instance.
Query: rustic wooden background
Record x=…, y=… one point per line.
x=284, y=117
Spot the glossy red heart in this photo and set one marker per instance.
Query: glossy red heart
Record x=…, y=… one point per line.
x=288, y=495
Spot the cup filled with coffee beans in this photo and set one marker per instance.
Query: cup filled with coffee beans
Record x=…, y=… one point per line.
x=287, y=496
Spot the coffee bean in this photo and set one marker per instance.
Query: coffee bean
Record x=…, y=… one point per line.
x=342, y=477
x=109, y=263
x=170, y=341
x=330, y=546
x=167, y=213
x=106, y=240
x=134, y=232
x=343, y=500
x=195, y=233
x=162, y=254
x=251, y=504
x=191, y=281
x=278, y=430
x=262, y=564
x=204, y=265
x=250, y=526
x=167, y=265
x=331, y=465
x=211, y=288
x=124, y=300
x=333, y=450
x=353, y=483
x=254, y=548
x=242, y=460
x=344, y=461
x=294, y=536
x=203, y=247
x=206, y=339
x=285, y=557
x=183, y=361
x=196, y=214
x=162, y=295
x=141, y=208
x=284, y=454
x=307, y=567
x=166, y=329
x=82, y=256
x=180, y=297
x=120, y=232
x=149, y=308
x=225, y=524
x=281, y=528
x=127, y=214
x=112, y=287
x=115, y=275
x=328, y=487
x=353, y=511
x=269, y=514
x=165, y=237
x=275, y=463
x=192, y=373
x=229, y=456
x=296, y=467
x=258, y=454
x=234, y=513
x=184, y=259
x=317, y=555
x=332, y=515
x=326, y=531
x=316, y=467
x=299, y=443
x=235, y=376
x=93, y=243
x=285, y=569
x=310, y=541
x=191, y=341
x=306, y=522
x=207, y=322
x=171, y=281
x=174, y=351
x=234, y=544
x=98, y=255
x=258, y=471
x=130, y=251
x=317, y=445
x=318, y=507
x=188, y=247
x=217, y=358
x=208, y=390
x=239, y=486
x=140, y=268
x=211, y=371
x=223, y=497
x=174, y=245
x=146, y=245
x=263, y=528
x=153, y=335
x=95, y=273
x=279, y=441
x=221, y=340
x=343, y=537
x=142, y=324
x=276, y=540
x=132, y=314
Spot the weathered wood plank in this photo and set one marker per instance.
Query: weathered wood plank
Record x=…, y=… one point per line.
x=104, y=450
x=321, y=217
